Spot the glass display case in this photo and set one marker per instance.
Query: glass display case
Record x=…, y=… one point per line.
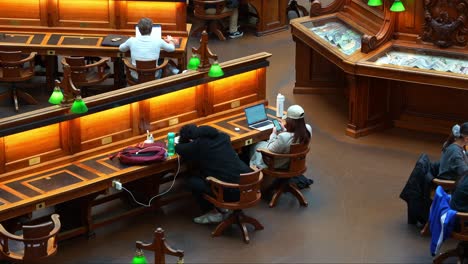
x=423, y=59
x=337, y=33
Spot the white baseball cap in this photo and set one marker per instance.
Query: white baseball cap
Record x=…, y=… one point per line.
x=294, y=112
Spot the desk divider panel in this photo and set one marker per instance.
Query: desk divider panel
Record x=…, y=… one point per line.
x=82, y=13
x=23, y=13
x=34, y=146
x=235, y=91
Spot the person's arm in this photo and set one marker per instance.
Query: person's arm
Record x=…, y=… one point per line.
x=168, y=46
x=278, y=143
x=124, y=47
x=458, y=164
x=188, y=151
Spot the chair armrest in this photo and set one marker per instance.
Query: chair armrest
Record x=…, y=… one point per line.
x=14, y=63
x=4, y=233
x=268, y=153
x=221, y=183
x=445, y=184
x=129, y=64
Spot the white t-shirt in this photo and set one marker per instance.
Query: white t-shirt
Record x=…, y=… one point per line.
x=145, y=48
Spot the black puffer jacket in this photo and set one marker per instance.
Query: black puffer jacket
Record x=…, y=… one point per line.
x=212, y=151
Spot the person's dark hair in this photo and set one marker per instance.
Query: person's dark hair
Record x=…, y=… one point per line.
x=457, y=132
x=145, y=25
x=298, y=127
x=188, y=132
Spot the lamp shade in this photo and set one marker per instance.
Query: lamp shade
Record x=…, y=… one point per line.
x=215, y=70
x=139, y=258
x=397, y=6
x=79, y=106
x=193, y=62
x=57, y=96
x=374, y=3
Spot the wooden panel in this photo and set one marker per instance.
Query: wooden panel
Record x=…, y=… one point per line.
x=409, y=23
x=171, y=16
x=23, y=13
x=180, y=106
x=33, y=147
x=106, y=127
x=84, y=13
x=433, y=104
x=242, y=90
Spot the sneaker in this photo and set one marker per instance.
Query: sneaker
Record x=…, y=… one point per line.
x=236, y=34
x=209, y=218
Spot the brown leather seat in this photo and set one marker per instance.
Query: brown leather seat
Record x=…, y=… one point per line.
x=213, y=22
x=297, y=166
x=36, y=242
x=13, y=70
x=250, y=195
x=146, y=70
x=85, y=74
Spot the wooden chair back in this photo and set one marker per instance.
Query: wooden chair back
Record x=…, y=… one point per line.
x=39, y=241
x=146, y=70
x=12, y=66
x=200, y=6
x=249, y=191
x=83, y=74
x=297, y=161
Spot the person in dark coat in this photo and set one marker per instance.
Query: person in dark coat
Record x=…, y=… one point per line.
x=211, y=154
x=459, y=200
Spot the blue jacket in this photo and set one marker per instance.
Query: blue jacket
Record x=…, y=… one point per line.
x=441, y=219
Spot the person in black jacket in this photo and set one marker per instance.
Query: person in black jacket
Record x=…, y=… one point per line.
x=211, y=154
x=459, y=200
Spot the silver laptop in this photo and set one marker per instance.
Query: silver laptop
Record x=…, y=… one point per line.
x=155, y=32
x=257, y=118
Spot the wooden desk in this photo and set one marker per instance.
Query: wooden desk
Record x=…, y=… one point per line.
x=89, y=177
x=52, y=44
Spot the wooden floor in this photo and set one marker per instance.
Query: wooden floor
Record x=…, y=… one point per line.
x=354, y=213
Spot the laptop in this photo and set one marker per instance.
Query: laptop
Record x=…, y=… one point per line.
x=155, y=32
x=257, y=118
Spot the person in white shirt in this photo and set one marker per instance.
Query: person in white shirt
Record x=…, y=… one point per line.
x=145, y=47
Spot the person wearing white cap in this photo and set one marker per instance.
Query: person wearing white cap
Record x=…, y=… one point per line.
x=295, y=130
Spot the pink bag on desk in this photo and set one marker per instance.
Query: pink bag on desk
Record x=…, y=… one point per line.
x=143, y=153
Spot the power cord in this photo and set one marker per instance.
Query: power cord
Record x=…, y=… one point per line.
x=119, y=185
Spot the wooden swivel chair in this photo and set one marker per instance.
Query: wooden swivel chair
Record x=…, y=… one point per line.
x=250, y=195
x=36, y=242
x=461, y=234
x=160, y=248
x=297, y=166
x=146, y=70
x=12, y=70
x=213, y=22
x=85, y=75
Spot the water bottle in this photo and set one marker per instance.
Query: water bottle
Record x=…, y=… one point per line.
x=170, y=144
x=279, y=105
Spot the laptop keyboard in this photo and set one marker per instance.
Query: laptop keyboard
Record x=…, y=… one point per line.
x=261, y=124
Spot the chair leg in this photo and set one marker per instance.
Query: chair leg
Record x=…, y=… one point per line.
x=425, y=230
x=215, y=28
x=252, y=221
x=277, y=194
x=15, y=98
x=224, y=224
x=245, y=232
x=197, y=32
x=26, y=97
x=297, y=193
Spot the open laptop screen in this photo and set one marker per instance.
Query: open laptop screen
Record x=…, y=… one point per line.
x=155, y=32
x=255, y=114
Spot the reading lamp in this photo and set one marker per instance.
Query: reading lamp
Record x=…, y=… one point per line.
x=193, y=62
x=214, y=70
x=397, y=5
x=139, y=257
x=70, y=95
